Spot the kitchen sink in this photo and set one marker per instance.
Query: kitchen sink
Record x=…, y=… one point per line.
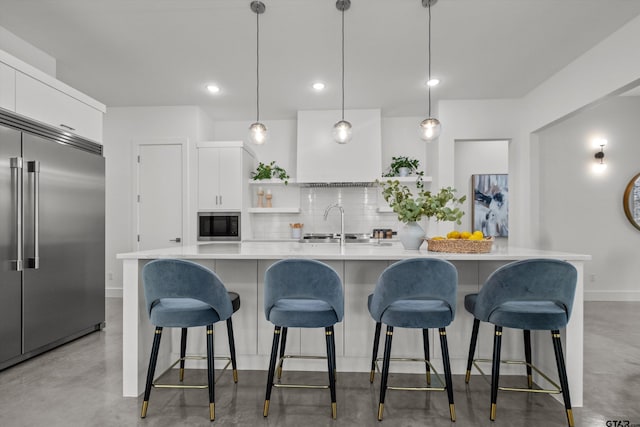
x=335, y=238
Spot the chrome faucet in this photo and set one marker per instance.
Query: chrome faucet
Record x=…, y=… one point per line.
x=326, y=213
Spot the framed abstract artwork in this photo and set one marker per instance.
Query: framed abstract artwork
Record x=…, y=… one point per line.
x=490, y=207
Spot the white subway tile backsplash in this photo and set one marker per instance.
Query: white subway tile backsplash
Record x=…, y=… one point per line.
x=360, y=206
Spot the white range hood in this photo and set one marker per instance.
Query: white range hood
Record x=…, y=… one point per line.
x=322, y=160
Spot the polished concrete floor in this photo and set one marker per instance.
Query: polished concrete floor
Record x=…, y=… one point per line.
x=80, y=384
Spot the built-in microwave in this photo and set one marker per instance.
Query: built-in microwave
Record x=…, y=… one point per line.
x=219, y=226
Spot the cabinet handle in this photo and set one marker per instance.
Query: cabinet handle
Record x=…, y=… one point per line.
x=62, y=125
x=221, y=200
x=216, y=200
x=177, y=240
x=16, y=165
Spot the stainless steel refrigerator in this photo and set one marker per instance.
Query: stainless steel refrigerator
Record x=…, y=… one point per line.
x=52, y=238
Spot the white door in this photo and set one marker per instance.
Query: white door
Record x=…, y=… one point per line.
x=160, y=200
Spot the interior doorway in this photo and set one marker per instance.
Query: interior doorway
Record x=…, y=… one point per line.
x=160, y=193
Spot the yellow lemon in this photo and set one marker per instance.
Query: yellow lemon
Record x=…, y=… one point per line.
x=478, y=233
x=465, y=235
x=475, y=237
x=453, y=235
x=437, y=238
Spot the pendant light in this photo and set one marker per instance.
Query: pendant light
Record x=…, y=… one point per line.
x=258, y=131
x=429, y=127
x=342, y=129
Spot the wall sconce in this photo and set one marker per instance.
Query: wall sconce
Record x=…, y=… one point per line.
x=600, y=165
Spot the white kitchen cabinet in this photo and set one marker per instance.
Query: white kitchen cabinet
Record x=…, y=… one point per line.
x=321, y=160
x=7, y=87
x=42, y=102
x=223, y=168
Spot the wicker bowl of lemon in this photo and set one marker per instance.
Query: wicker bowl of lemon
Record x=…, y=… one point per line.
x=462, y=242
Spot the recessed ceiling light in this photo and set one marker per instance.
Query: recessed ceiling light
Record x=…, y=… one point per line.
x=433, y=82
x=213, y=88
x=318, y=86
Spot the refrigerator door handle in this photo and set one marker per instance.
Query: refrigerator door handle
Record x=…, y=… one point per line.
x=34, y=168
x=16, y=166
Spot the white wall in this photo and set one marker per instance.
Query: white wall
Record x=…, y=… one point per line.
x=399, y=138
x=490, y=120
x=581, y=210
x=123, y=126
x=477, y=157
x=281, y=145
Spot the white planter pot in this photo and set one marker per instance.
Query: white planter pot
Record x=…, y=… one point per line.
x=404, y=171
x=411, y=236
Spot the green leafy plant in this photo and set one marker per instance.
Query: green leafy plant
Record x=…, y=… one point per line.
x=269, y=171
x=443, y=206
x=402, y=162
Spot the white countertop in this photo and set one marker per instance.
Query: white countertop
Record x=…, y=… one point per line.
x=333, y=251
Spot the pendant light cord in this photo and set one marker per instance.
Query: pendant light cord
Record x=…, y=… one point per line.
x=343, y=63
x=429, y=55
x=257, y=67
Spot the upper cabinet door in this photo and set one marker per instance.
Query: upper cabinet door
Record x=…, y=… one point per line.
x=220, y=178
x=231, y=178
x=208, y=194
x=44, y=103
x=321, y=159
x=7, y=87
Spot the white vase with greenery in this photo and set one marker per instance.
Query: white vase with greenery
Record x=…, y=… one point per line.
x=443, y=206
x=411, y=235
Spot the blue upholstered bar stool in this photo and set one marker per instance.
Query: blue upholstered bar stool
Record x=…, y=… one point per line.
x=535, y=294
x=183, y=294
x=415, y=293
x=302, y=293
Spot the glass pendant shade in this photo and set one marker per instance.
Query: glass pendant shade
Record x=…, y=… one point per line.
x=342, y=132
x=257, y=133
x=257, y=130
x=430, y=129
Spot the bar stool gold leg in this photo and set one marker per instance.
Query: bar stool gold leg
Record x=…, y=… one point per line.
x=145, y=405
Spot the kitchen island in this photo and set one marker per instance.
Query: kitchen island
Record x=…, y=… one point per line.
x=241, y=267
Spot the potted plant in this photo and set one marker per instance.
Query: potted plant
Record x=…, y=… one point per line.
x=443, y=206
x=270, y=171
x=403, y=166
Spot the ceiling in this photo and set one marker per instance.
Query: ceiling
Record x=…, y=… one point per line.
x=164, y=52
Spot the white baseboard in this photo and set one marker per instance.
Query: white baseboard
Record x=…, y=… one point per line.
x=113, y=292
x=612, y=295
